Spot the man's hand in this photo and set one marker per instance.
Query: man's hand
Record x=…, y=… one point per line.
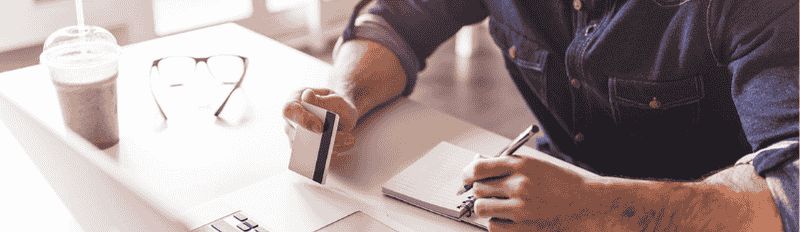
x=296, y=115
x=365, y=75
x=522, y=193
x=539, y=193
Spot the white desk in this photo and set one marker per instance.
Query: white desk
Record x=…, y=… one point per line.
x=184, y=163
x=26, y=192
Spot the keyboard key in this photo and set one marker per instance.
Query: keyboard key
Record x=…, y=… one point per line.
x=259, y=229
x=244, y=227
x=206, y=229
x=223, y=226
x=240, y=217
x=250, y=223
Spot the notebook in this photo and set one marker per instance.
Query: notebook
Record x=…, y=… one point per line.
x=432, y=181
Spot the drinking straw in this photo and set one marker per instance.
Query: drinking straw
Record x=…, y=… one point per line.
x=79, y=10
x=81, y=25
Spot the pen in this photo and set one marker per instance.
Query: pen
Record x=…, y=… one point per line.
x=510, y=149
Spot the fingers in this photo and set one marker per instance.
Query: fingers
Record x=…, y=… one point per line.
x=490, y=167
x=333, y=102
x=506, y=187
x=498, y=208
x=469, y=171
x=500, y=197
x=493, y=188
x=298, y=94
x=295, y=112
x=327, y=99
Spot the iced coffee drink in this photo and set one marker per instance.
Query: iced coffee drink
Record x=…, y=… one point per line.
x=83, y=66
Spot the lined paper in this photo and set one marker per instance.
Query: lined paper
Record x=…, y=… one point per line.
x=432, y=181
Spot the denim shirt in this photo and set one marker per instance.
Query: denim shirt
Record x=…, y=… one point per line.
x=648, y=89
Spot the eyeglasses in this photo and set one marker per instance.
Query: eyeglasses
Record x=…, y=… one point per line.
x=175, y=70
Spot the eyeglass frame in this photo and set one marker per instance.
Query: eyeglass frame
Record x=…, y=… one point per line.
x=197, y=60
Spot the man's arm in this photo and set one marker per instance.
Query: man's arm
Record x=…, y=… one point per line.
x=367, y=74
x=381, y=53
x=383, y=50
x=539, y=192
x=735, y=199
x=739, y=198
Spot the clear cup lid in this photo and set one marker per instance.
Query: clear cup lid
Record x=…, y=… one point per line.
x=76, y=34
x=77, y=55
x=76, y=46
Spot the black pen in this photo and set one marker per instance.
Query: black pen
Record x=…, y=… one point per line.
x=510, y=149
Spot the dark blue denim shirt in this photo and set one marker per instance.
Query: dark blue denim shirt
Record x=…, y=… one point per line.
x=649, y=89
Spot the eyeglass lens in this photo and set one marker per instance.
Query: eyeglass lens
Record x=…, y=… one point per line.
x=227, y=69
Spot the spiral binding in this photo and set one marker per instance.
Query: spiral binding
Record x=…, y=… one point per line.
x=469, y=204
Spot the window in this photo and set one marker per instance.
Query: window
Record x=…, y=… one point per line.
x=173, y=16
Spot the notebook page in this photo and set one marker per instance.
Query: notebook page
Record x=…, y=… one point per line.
x=432, y=181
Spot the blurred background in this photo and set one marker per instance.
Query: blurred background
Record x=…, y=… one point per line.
x=464, y=78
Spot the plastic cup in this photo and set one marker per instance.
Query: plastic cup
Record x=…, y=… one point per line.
x=82, y=61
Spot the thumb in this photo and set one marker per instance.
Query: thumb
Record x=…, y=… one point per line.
x=333, y=103
x=324, y=101
x=468, y=173
x=309, y=96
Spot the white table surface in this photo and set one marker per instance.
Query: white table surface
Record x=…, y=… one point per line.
x=27, y=193
x=187, y=161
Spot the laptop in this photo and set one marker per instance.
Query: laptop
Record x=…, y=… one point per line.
x=87, y=183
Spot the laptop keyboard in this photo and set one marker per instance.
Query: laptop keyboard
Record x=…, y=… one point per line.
x=236, y=222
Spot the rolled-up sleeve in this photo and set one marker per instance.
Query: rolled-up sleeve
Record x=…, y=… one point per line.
x=412, y=29
x=758, y=42
x=782, y=182
x=777, y=164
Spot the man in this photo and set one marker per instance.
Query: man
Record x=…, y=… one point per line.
x=686, y=111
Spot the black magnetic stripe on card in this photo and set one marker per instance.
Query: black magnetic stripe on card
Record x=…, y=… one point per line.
x=324, y=145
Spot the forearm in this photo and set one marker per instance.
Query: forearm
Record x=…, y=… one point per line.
x=735, y=199
x=367, y=74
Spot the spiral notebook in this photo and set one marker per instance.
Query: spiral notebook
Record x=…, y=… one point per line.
x=432, y=181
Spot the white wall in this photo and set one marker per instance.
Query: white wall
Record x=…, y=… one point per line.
x=25, y=23
x=29, y=22
x=173, y=16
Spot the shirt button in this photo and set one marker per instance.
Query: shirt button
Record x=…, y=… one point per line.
x=512, y=52
x=575, y=83
x=578, y=138
x=577, y=4
x=655, y=104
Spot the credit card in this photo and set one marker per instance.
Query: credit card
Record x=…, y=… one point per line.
x=311, y=152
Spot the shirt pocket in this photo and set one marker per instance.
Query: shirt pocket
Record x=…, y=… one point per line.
x=528, y=55
x=648, y=108
x=530, y=59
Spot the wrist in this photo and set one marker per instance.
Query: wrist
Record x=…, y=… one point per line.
x=638, y=205
x=356, y=102
x=368, y=75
